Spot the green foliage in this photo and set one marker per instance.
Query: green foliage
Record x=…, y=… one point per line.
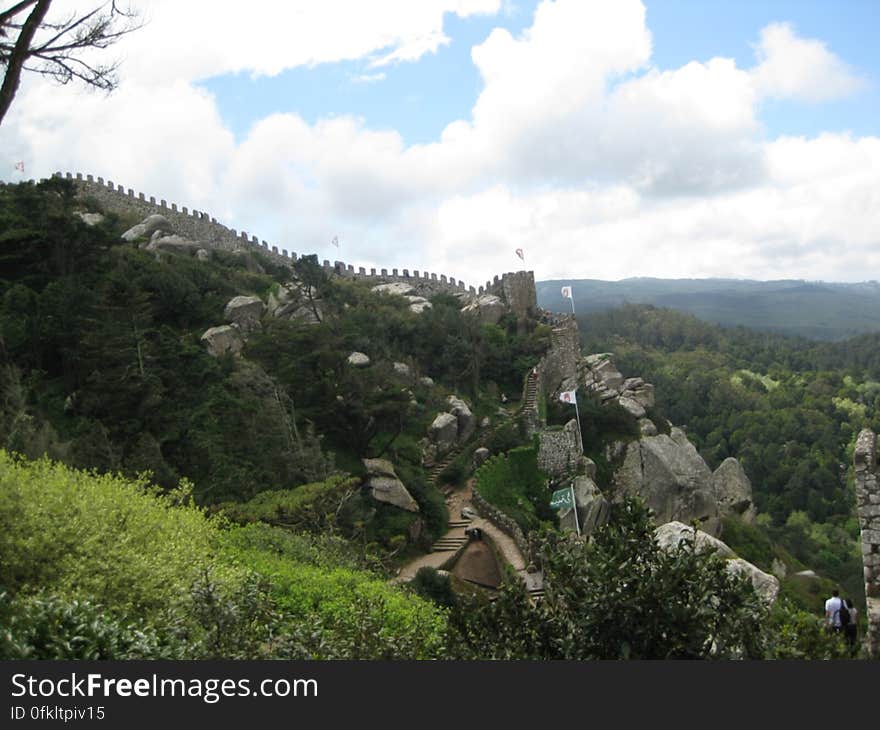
x=430, y=584
x=797, y=634
x=749, y=542
x=333, y=599
x=514, y=483
x=45, y=626
x=307, y=508
x=100, y=536
x=788, y=409
x=97, y=566
x=619, y=596
x=506, y=436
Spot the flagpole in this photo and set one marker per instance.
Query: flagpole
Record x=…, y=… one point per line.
x=574, y=507
x=572, y=300
x=578, y=416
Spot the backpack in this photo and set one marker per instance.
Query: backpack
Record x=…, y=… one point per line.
x=844, y=614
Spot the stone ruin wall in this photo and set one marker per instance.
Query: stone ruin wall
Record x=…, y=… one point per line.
x=517, y=290
x=200, y=226
x=868, y=506
x=559, y=450
x=558, y=367
x=503, y=522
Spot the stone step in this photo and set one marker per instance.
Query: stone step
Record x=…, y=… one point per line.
x=446, y=548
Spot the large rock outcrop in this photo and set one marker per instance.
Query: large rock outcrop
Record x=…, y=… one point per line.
x=672, y=479
x=487, y=307
x=147, y=227
x=673, y=534
x=603, y=380
x=244, y=312
x=223, y=340
x=593, y=509
x=733, y=490
x=358, y=360
x=467, y=422
x=765, y=585
x=296, y=302
x=385, y=486
x=443, y=432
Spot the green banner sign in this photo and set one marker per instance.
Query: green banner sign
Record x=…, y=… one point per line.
x=561, y=499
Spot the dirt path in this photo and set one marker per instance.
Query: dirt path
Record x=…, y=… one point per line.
x=507, y=548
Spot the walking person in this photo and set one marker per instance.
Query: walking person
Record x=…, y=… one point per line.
x=832, y=611
x=851, y=630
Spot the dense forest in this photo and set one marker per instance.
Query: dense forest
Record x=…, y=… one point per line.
x=788, y=408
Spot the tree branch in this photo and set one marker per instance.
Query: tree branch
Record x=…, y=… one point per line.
x=7, y=15
x=19, y=55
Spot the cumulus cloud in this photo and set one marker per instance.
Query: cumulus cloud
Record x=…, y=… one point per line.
x=198, y=39
x=800, y=68
x=577, y=148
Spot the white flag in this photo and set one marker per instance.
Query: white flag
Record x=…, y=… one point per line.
x=568, y=396
x=19, y=166
x=566, y=292
x=335, y=241
x=519, y=252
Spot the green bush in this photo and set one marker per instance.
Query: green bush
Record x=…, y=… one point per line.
x=331, y=600
x=514, y=483
x=618, y=596
x=101, y=537
x=310, y=507
x=45, y=626
x=430, y=584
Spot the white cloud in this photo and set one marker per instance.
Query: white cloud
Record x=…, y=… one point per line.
x=198, y=39
x=800, y=68
x=577, y=149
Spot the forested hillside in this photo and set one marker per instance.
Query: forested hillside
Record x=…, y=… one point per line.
x=788, y=409
x=173, y=487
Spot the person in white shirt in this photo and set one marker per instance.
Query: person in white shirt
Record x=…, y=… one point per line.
x=832, y=610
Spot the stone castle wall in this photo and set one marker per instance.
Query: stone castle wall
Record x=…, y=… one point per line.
x=502, y=521
x=201, y=226
x=868, y=506
x=517, y=289
x=559, y=450
x=557, y=370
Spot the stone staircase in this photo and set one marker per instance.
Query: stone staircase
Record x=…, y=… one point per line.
x=454, y=537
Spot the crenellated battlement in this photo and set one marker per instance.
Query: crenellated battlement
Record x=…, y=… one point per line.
x=201, y=226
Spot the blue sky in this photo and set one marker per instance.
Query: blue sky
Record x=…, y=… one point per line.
x=419, y=99
x=674, y=138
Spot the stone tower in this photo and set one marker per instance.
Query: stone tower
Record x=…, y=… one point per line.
x=868, y=502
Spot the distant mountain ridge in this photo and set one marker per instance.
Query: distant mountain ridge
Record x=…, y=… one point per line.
x=813, y=309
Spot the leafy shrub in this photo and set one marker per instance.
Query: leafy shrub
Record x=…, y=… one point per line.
x=47, y=626
x=103, y=537
x=514, y=483
x=329, y=602
x=430, y=584
x=618, y=596
x=310, y=507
